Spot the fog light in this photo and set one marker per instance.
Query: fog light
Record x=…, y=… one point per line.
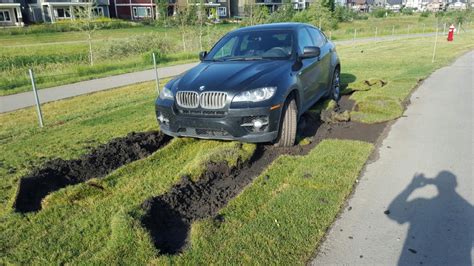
x=257, y=124
x=162, y=119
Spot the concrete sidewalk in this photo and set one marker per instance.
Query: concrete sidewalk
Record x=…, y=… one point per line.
x=21, y=100
x=413, y=205
x=25, y=99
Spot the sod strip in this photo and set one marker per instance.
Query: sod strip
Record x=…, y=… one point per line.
x=84, y=224
x=57, y=174
x=282, y=216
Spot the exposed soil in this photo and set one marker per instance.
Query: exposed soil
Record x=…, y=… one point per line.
x=58, y=173
x=169, y=216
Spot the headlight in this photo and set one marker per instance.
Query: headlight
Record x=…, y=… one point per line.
x=166, y=94
x=256, y=95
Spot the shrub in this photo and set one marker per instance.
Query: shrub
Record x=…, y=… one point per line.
x=67, y=25
x=407, y=11
x=26, y=61
x=380, y=12
x=136, y=46
x=425, y=14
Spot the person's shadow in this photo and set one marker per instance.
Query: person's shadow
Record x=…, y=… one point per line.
x=441, y=228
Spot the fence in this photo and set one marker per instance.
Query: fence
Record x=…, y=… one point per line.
x=38, y=103
x=88, y=72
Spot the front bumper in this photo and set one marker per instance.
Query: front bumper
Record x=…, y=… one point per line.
x=220, y=125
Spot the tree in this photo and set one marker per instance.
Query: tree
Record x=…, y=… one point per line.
x=284, y=13
x=161, y=10
x=185, y=17
x=329, y=4
x=261, y=14
x=321, y=16
x=84, y=20
x=249, y=12
x=201, y=14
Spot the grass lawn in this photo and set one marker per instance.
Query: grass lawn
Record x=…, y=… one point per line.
x=279, y=218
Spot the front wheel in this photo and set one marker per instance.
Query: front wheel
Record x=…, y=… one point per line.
x=335, y=92
x=287, y=134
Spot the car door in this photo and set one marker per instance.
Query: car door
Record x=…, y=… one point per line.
x=324, y=71
x=309, y=69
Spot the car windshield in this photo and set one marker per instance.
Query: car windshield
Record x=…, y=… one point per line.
x=253, y=45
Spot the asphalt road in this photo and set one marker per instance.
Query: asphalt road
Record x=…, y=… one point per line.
x=21, y=100
x=414, y=204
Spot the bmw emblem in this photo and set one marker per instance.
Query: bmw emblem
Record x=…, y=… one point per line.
x=202, y=88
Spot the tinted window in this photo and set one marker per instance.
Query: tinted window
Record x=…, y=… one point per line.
x=317, y=37
x=304, y=39
x=227, y=49
x=253, y=45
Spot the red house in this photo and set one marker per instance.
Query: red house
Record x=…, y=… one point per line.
x=133, y=9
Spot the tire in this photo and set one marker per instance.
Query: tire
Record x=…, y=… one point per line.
x=288, y=125
x=335, y=90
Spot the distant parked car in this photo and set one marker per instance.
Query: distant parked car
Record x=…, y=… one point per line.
x=252, y=86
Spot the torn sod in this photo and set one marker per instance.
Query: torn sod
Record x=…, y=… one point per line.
x=58, y=173
x=169, y=217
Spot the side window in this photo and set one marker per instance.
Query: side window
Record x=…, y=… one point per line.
x=304, y=39
x=227, y=49
x=317, y=37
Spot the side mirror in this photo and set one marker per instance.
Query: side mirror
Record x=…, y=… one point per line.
x=202, y=55
x=310, y=52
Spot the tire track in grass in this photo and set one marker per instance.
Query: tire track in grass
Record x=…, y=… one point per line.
x=168, y=217
x=59, y=173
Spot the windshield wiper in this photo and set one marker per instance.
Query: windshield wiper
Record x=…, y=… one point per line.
x=244, y=58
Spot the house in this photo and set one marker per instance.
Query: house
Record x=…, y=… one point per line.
x=10, y=13
x=133, y=9
x=361, y=5
x=394, y=5
x=301, y=4
x=458, y=5
x=435, y=6
x=221, y=8
x=57, y=10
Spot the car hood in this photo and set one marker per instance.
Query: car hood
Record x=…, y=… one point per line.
x=230, y=76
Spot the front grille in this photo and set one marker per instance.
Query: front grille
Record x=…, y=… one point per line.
x=187, y=99
x=213, y=100
x=207, y=100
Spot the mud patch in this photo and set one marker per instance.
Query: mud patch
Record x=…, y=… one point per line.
x=168, y=217
x=58, y=173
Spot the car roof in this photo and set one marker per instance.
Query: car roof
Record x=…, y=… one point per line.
x=276, y=26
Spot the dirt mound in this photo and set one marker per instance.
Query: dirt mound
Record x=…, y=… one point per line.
x=169, y=216
x=58, y=173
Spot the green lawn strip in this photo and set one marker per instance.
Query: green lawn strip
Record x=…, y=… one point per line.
x=282, y=215
x=83, y=223
x=402, y=64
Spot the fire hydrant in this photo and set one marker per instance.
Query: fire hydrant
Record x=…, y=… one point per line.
x=451, y=32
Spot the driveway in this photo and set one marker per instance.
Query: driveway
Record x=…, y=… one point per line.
x=414, y=204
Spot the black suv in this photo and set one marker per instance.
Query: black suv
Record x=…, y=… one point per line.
x=252, y=86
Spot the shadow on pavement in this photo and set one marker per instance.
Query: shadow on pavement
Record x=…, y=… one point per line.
x=440, y=228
